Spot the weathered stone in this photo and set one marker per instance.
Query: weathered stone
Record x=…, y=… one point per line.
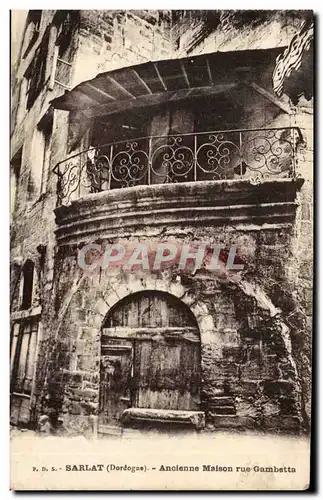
x=281, y=387
x=222, y=410
x=232, y=421
x=245, y=358
x=44, y=426
x=246, y=409
x=277, y=422
x=221, y=400
x=233, y=353
x=75, y=378
x=194, y=418
x=75, y=408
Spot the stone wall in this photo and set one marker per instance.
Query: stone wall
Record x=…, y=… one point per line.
x=247, y=342
x=262, y=373
x=202, y=32
x=254, y=367
x=301, y=304
x=33, y=221
x=114, y=39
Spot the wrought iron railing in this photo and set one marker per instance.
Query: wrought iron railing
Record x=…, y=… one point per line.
x=252, y=154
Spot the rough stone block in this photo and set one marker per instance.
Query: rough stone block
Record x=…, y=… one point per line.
x=93, y=319
x=233, y=353
x=194, y=418
x=75, y=408
x=251, y=370
x=279, y=387
x=75, y=378
x=177, y=289
x=282, y=422
x=231, y=421
x=206, y=323
x=270, y=408
x=101, y=307
x=217, y=401
x=222, y=410
x=246, y=409
x=86, y=363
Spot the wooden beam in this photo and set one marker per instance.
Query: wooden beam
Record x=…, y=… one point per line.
x=159, y=76
x=190, y=334
x=142, y=81
x=119, y=347
x=99, y=91
x=119, y=86
x=160, y=98
x=209, y=71
x=185, y=75
x=267, y=95
x=88, y=96
x=126, y=330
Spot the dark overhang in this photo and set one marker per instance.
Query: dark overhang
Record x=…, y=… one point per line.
x=153, y=83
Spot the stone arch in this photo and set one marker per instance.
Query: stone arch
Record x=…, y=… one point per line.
x=119, y=290
x=172, y=301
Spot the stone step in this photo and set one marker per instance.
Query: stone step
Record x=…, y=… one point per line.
x=151, y=416
x=222, y=401
x=233, y=421
x=223, y=410
x=110, y=430
x=134, y=433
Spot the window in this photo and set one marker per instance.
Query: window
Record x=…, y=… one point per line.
x=66, y=22
x=15, y=277
x=28, y=284
x=44, y=129
x=61, y=70
x=40, y=157
x=23, y=355
x=32, y=30
x=15, y=168
x=69, y=20
x=36, y=72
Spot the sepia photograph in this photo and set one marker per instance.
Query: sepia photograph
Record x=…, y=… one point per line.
x=161, y=249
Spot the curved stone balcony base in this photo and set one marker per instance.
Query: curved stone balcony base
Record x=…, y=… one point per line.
x=133, y=211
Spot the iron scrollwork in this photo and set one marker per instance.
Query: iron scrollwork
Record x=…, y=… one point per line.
x=270, y=153
x=172, y=159
x=216, y=155
x=129, y=164
x=232, y=154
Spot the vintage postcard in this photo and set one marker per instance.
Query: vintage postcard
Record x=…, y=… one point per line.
x=161, y=249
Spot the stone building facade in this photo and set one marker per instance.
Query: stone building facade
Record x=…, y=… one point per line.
x=172, y=127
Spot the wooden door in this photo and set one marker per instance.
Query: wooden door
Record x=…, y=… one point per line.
x=115, y=380
x=167, y=373
x=150, y=356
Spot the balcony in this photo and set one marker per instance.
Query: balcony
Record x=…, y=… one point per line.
x=253, y=155
x=239, y=178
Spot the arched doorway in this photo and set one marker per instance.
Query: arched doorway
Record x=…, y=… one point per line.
x=150, y=356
